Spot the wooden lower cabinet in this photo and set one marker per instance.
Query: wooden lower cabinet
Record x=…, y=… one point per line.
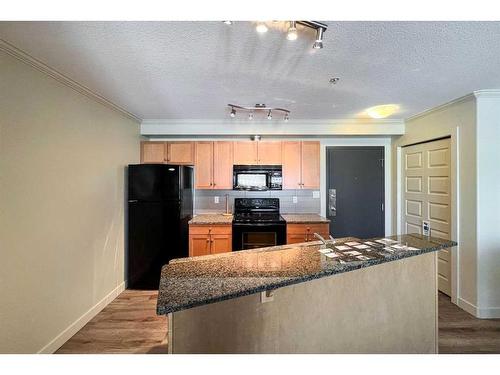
x=209, y=239
x=296, y=233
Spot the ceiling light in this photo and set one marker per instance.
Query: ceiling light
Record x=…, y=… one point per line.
x=292, y=31
x=261, y=28
x=228, y=22
x=334, y=80
x=382, y=111
x=258, y=108
x=318, y=44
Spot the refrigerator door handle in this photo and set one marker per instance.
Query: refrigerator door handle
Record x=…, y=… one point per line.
x=133, y=201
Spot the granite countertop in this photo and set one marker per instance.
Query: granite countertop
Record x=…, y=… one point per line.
x=305, y=219
x=289, y=218
x=211, y=219
x=197, y=281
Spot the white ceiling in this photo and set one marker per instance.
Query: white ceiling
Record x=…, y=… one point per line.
x=191, y=70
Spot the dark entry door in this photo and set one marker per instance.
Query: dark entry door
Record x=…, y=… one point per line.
x=355, y=191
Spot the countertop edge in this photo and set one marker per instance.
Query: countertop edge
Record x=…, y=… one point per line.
x=349, y=267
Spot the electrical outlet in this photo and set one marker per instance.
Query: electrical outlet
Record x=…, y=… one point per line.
x=216, y=199
x=316, y=194
x=294, y=199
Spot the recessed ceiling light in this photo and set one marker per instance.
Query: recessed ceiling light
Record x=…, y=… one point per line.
x=261, y=28
x=228, y=22
x=382, y=111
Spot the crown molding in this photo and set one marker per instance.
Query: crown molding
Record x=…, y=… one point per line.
x=487, y=93
x=295, y=127
x=40, y=66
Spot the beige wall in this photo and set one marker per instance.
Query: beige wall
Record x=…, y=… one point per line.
x=62, y=159
x=457, y=120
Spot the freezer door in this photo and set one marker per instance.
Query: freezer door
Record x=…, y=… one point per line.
x=146, y=182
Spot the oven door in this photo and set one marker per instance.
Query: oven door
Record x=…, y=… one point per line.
x=257, y=235
x=258, y=180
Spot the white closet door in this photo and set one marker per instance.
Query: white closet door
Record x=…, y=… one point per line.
x=427, y=196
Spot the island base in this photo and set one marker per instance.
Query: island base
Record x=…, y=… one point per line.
x=388, y=308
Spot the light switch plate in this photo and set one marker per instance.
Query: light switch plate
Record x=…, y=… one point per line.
x=426, y=228
x=216, y=199
x=316, y=194
x=294, y=199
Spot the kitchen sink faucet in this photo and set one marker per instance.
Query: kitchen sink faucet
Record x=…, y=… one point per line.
x=330, y=241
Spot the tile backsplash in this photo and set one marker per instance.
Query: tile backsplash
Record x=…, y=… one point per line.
x=306, y=203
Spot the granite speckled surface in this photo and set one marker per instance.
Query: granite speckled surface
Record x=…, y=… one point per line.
x=197, y=281
x=211, y=219
x=304, y=219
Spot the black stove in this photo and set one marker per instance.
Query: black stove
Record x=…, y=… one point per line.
x=257, y=223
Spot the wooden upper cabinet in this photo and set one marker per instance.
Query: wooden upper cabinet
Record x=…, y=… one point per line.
x=153, y=152
x=245, y=152
x=180, y=153
x=310, y=164
x=269, y=152
x=222, y=165
x=167, y=152
x=204, y=165
x=291, y=155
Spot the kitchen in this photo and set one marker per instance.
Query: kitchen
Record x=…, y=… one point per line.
x=188, y=208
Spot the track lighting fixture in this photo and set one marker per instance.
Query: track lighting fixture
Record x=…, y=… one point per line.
x=292, y=31
x=261, y=27
x=318, y=44
x=258, y=108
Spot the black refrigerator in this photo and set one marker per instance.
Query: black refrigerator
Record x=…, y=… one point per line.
x=160, y=204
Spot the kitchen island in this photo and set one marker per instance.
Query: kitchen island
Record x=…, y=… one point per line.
x=354, y=296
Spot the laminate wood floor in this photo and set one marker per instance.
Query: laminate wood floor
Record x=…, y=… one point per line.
x=460, y=332
x=129, y=324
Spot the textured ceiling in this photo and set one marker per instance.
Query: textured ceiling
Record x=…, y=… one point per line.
x=191, y=70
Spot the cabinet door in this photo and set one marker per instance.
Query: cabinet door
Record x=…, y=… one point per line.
x=204, y=165
x=221, y=243
x=310, y=165
x=245, y=152
x=199, y=244
x=269, y=153
x=291, y=164
x=223, y=165
x=180, y=153
x=296, y=238
x=153, y=152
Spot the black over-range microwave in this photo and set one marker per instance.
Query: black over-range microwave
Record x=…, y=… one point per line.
x=257, y=177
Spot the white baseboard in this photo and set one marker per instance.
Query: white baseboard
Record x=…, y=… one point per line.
x=65, y=335
x=481, y=313
x=467, y=306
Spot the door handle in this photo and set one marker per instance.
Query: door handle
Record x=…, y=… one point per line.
x=332, y=202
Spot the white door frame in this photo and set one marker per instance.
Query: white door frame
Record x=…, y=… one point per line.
x=455, y=194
